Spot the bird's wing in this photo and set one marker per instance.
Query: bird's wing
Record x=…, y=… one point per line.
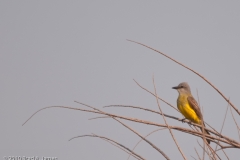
x=194, y=105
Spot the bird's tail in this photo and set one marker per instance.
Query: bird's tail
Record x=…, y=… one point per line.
x=206, y=132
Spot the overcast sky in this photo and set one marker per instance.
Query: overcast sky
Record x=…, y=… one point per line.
x=55, y=52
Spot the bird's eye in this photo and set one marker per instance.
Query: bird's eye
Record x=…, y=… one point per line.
x=181, y=86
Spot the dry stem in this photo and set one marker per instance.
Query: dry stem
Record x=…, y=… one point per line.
x=193, y=72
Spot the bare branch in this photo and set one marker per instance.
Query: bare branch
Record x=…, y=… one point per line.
x=192, y=71
x=99, y=117
x=197, y=153
x=145, y=137
x=155, y=147
x=48, y=108
x=119, y=147
x=202, y=124
x=153, y=111
x=108, y=139
x=204, y=150
x=223, y=138
x=167, y=104
x=214, y=154
x=223, y=124
x=238, y=128
x=154, y=95
x=179, y=148
x=193, y=157
x=224, y=153
x=199, y=101
x=149, y=110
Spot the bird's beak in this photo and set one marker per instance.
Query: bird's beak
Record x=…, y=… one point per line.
x=175, y=87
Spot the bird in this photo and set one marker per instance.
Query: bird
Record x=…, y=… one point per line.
x=188, y=106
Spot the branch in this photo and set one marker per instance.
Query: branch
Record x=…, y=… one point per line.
x=193, y=72
x=144, y=137
x=179, y=148
x=223, y=124
x=154, y=95
x=225, y=140
x=108, y=139
x=238, y=128
x=197, y=153
x=149, y=110
x=155, y=147
x=169, y=116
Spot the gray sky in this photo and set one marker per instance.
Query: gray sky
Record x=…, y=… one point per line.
x=55, y=52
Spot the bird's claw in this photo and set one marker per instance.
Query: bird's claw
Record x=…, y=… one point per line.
x=183, y=120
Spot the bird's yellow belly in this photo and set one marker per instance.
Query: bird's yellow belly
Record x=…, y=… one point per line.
x=187, y=111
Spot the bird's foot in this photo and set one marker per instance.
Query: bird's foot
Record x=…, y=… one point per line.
x=183, y=120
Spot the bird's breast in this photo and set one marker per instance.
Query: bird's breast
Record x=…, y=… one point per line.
x=186, y=110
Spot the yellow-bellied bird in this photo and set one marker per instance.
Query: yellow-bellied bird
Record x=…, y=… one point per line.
x=188, y=106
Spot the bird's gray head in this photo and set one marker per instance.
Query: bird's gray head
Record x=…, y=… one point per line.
x=183, y=88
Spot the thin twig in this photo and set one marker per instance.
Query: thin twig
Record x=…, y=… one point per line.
x=202, y=124
x=222, y=124
x=223, y=138
x=214, y=154
x=155, y=147
x=150, y=143
x=238, y=128
x=197, y=153
x=193, y=157
x=154, y=95
x=203, y=131
x=144, y=137
x=169, y=104
x=222, y=149
x=192, y=71
x=99, y=117
x=153, y=111
x=204, y=150
x=111, y=141
x=199, y=101
x=226, y=154
x=165, y=121
x=230, y=140
x=149, y=110
x=119, y=147
x=212, y=151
